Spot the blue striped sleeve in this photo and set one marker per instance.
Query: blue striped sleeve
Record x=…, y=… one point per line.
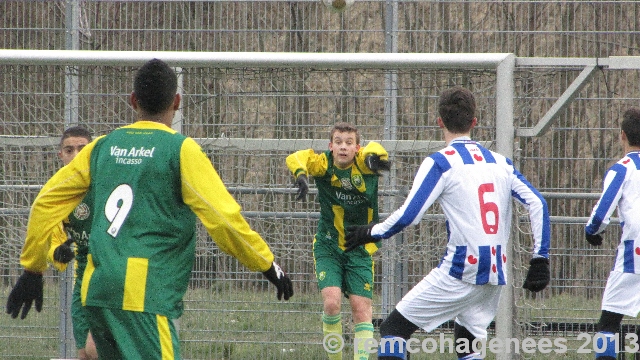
x=608, y=200
x=413, y=205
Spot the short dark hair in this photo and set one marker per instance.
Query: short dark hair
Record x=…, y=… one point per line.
x=155, y=86
x=76, y=131
x=457, y=109
x=345, y=127
x=631, y=125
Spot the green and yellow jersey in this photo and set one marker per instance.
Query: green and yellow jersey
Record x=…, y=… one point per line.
x=347, y=196
x=78, y=227
x=149, y=183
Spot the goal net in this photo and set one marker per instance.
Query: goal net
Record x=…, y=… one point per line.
x=247, y=119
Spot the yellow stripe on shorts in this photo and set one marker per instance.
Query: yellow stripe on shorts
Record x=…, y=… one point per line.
x=166, y=343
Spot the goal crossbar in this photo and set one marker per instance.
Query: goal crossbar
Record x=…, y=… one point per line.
x=256, y=59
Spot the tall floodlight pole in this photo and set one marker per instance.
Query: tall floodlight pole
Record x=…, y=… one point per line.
x=392, y=279
x=71, y=103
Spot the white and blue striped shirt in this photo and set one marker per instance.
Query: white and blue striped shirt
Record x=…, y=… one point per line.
x=621, y=189
x=474, y=186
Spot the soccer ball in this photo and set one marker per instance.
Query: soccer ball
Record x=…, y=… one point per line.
x=338, y=6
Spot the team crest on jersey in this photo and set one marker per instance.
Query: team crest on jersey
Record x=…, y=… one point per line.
x=357, y=180
x=81, y=212
x=346, y=183
x=322, y=275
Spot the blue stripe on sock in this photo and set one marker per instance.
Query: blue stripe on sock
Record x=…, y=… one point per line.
x=609, y=349
x=392, y=346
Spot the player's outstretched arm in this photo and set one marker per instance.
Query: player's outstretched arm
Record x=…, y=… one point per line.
x=359, y=235
x=279, y=278
x=305, y=163
x=206, y=195
x=27, y=289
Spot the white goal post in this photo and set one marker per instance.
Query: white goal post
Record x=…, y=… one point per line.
x=502, y=63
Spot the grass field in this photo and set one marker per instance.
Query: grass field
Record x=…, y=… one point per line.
x=221, y=324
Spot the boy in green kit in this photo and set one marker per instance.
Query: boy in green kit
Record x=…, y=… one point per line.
x=149, y=184
x=78, y=228
x=346, y=177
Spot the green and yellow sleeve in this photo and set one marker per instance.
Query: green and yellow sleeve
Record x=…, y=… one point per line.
x=372, y=148
x=57, y=199
x=58, y=237
x=204, y=192
x=307, y=162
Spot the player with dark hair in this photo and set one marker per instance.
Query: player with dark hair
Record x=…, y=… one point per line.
x=149, y=184
x=77, y=228
x=347, y=180
x=622, y=191
x=474, y=186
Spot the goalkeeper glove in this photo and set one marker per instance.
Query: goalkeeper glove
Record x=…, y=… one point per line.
x=376, y=164
x=538, y=276
x=279, y=278
x=27, y=289
x=359, y=235
x=64, y=253
x=595, y=240
x=303, y=186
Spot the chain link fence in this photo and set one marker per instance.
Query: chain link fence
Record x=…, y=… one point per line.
x=231, y=313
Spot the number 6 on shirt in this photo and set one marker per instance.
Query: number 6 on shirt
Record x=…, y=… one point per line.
x=486, y=208
x=117, y=207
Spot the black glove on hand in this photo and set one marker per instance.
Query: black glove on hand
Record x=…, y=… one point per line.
x=280, y=279
x=376, y=164
x=595, y=240
x=27, y=288
x=359, y=235
x=538, y=276
x=64, y=253
x=303, y=186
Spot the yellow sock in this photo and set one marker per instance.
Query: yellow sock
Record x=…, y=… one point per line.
x=333, y=325
x=363, y=331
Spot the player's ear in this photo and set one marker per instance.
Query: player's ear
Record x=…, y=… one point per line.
x=133, y=101
x=440, y=123
x=623, y=136
x=176, y=102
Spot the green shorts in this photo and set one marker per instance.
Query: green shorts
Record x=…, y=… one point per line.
x=79, y=318
x=352, y=272
x=122, y=334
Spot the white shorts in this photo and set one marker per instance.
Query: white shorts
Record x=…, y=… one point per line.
x=439, y=297
x=622, y=294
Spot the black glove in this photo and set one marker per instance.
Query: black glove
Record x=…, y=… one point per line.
x=359, y=235
x=595, y=240
x=303, y=186
x=538, y=276
x=27, y=288
x=376, y=164
x=64, y=253
x=280, y=279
